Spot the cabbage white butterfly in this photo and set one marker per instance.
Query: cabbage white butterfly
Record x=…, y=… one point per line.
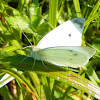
x=62, y=46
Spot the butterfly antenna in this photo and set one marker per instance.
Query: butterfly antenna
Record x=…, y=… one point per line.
x=25, y=36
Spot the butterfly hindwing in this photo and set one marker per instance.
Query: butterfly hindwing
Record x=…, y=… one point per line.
x=63, y=56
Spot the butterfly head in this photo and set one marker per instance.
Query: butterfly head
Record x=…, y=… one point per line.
x=34, y=52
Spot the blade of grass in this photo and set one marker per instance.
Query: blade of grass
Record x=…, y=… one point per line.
x=77, y=8
x=23, y=80
x=53, y=7
x=57, y=73
x=92, y=14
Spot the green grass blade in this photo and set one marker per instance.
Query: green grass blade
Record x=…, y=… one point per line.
x=53, y=7
x=77, y=8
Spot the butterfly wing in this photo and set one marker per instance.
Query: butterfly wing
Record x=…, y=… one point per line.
x=86, y=50
x=65, y=56
x=67, y=34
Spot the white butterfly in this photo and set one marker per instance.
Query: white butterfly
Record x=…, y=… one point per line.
x=62, y=46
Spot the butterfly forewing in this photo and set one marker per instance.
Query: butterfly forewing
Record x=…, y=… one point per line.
x=65, y=34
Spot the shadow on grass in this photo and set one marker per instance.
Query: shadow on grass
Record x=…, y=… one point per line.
x=27, y=64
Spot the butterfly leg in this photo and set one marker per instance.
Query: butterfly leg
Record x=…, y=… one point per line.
x=43, y=64
x=33, y=64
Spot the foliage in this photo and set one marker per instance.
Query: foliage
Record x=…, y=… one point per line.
x=45, y=81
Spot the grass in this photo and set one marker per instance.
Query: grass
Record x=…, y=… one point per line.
x=37, y=18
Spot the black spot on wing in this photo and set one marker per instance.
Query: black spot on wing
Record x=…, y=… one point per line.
x=81, y=25
x=69, y=34
x=75, y=54
x=71, y=51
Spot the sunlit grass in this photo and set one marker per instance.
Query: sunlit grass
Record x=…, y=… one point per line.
x=36, y=19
